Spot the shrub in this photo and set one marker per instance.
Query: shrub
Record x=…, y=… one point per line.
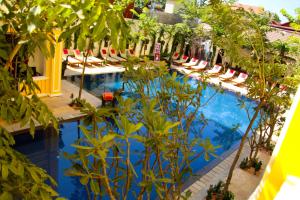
x=209, y=193
x=245, y=163
x=218, y=188
x=257, y=165
x=217, y=191
x=228, y=196
x=270, y=147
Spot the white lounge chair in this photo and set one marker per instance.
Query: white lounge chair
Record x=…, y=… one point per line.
x=105, y=56
x=228, y=75
x=182, y=60
x=113, y=53
x=192, y=62
x=69, y=59
x=123, y=54
x=240, y=79
x=202, y=65
x=91, y=60
x=215, y=70
x=130, y=52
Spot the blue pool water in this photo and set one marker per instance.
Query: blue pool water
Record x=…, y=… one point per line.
x=222, y=114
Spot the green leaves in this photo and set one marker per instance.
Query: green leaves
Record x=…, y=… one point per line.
x=108, y=138
x=4, y=171
x=18, y=173
x=209, y=148
x=34, y=27
x=3, y=54
x=95, y=187
x=95, y=20
x=129, y=128
x=84, y=180
x=6, y=196
x=82, y=147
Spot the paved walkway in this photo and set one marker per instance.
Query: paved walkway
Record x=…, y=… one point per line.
x=244, y=183
x=243, y=178
x=73, y=71
x=219, y=172
x=59, y=106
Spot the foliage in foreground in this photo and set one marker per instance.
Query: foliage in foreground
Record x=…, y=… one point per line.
x=242, y=37
x=156, y=117
x=19, y=177
x=25, y=27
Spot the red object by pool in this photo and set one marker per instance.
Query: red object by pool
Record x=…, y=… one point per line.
x=107, y=96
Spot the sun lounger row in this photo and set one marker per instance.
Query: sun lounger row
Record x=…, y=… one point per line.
x=229, y=75
x=111, y=55
x=195, y=65
x=75, y=57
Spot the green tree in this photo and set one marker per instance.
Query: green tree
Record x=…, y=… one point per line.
x=246, y=45
x=158, y=118
x=148, y=28
x=22, y=31
x=25, y=26
x=242, y=36
x=94, y=21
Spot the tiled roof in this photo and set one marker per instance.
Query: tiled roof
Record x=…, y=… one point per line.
x=249, y=8
x=282, y=35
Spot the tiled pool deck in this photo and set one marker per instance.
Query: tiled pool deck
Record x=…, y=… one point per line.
x=59, y=106
x=214, y=175
x=73, y=71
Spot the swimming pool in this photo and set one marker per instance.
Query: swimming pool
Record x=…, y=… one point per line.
x=222, y=114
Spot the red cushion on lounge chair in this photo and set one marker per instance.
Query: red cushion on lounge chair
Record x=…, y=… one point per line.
x=231, y=71
x=66, y=51
x=204, y=62
x=107, y=96
x=103, y=51
x=90, y=52
x=77, y=51
x=194, y=59
x=184, y=57
x=113, y=51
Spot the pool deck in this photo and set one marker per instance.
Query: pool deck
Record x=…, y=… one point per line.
x=213, y=176
x=73, y=71
x=59, y=106
x=227, y=85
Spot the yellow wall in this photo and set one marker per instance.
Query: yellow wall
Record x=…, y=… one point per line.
x=285, y=160
x=50, y=83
